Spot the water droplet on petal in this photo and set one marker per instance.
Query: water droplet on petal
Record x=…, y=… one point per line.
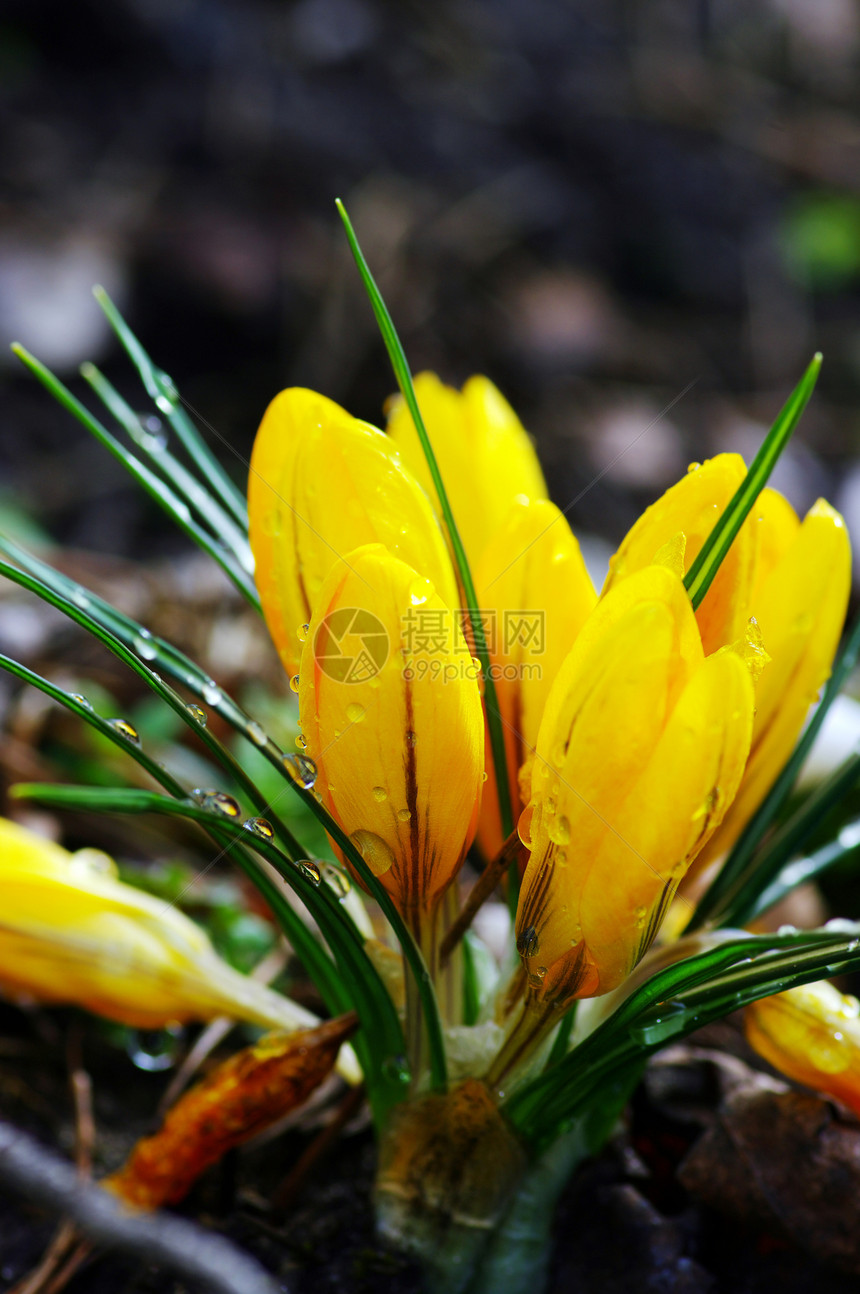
x=355, y=712
x=294, y=683
x=403, y=815
x=154, y=1050
x=198, y=714
x=126, y=729
x=301, y=743
x=693, y=467
x=378, y=855
x=379, y=794
x=302, y=633
x=260, y=827
x=558, y=830
x=411, y=737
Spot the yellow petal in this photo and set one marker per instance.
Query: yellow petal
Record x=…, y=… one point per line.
x=692, y=507
x=800, y=609
x=321, y=484
x=72, y=934
x=535, y=594
x=642, y=746
x=399, y=744
x=485, y=456
x=811, y=1034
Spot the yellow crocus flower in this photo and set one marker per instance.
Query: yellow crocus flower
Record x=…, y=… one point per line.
x=72, y=933
x=800, y=604
x=692, y=507
x=321, y=484
x=793, y=579
x=641, y=749
x=535, y=594
x=390, y=709
x=484, y=454
x=811, y=1034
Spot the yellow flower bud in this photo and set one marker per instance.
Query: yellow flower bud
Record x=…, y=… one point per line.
x=535, y=594
x=321, y=484
x=692, y=507
x=71, y=932
x=391, y=711
x=641, y=748
x=485, y=456
x=811, y=1034
x=800, y=602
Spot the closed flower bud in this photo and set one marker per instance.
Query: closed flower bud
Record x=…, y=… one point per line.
x=811, y=1034
x=391, y=711
x=641, y=749
x=484, y=454
x=535, y=594
x=321, y=484
x=692, y=507
x=800, y=601
x=71, y=932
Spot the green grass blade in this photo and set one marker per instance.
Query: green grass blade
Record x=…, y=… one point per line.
x=162, y=390
x=784, y=845
x=81, y=614
x=740, y=858
x=175, y=507
x=802, y=870
x=402, y=372
x=221, y=525
x=707, y=563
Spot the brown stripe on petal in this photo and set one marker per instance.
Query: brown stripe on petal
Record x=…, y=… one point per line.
x=420, y=884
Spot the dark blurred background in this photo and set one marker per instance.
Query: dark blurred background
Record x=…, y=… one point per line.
x=596, y=204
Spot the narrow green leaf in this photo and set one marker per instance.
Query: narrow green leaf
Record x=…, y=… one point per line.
x=707, y=563
x=402, y=372
x=80, y=612
x=221, y=525
x=739, y=861
x=162, y=390
x=800, y=871
x=671, y=1004
x=175, y=507
x=739, y=898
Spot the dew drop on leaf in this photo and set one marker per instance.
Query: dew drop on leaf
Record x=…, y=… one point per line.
x=259, y=827
x=126, y=729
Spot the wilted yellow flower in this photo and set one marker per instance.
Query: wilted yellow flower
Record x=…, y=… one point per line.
x=485, y=456
x=321, y=484
x=391, y=712
x=535, y=593
x=71, y=932
x=641, y=749
x=811, y=1034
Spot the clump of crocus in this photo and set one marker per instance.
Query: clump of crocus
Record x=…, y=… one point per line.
x=462, y=682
